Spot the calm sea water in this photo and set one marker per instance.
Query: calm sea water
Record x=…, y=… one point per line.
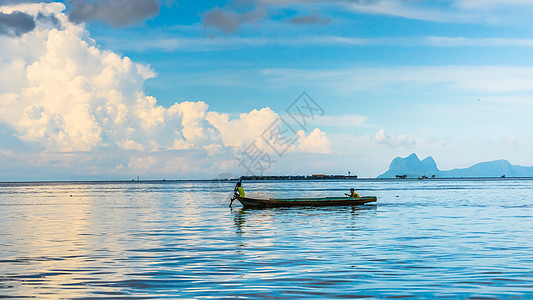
x=146, y=240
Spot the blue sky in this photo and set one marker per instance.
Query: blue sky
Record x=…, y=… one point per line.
x=450, y=79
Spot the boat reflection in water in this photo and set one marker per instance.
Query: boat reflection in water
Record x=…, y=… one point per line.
x=251, y=220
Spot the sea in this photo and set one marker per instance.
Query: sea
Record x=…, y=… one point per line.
x=434, y=238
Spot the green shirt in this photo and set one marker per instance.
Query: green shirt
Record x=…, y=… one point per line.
x=241, y=191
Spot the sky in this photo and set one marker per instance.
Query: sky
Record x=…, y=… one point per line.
x=172, y=89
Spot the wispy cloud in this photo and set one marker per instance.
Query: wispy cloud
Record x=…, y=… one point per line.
x=492, y=4
x=168, y=43
x=312, y=19
x=229, y=20
x=475, y=42
x=494, y=79
x=403, y=9
x=351, y=121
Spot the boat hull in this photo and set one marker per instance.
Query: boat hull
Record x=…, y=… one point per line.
x=328, y=201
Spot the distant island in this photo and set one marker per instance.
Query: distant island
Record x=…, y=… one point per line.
x=413, y=167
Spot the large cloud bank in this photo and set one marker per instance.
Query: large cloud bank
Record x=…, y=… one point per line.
x=61, y=92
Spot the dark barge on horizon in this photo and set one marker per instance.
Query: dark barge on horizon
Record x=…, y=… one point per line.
x=299, y=177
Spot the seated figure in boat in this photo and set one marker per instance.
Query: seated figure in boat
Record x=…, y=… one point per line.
x=352, y=194
x=239, y=190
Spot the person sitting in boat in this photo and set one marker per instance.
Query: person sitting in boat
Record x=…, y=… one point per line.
x=352, y=194
x=239, y=190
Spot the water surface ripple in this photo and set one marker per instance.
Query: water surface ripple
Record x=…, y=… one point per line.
x=153, y=240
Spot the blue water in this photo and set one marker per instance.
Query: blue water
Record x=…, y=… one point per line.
x=148, y=240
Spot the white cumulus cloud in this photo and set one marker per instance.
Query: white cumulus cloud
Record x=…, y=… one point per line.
x=244, y=130
x=60, y=91
x=401, y=140
x=315, y=142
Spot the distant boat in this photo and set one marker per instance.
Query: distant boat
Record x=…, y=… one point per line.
x=401, y=176
x=326, y=201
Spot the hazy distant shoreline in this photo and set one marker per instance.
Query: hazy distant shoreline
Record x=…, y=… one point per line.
x=256, y=180
x=413, y=167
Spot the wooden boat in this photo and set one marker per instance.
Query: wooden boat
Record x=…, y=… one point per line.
x=327, y=201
